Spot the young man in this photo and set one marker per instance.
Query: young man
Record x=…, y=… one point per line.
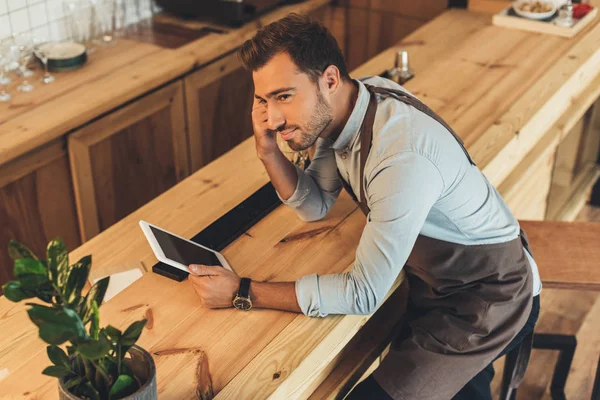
x=430, y=210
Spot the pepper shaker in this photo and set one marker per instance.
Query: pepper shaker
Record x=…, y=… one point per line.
x=402, y=72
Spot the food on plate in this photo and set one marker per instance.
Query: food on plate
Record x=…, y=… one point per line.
x=535, y=6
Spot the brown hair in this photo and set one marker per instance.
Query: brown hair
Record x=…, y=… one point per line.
x=310, y=45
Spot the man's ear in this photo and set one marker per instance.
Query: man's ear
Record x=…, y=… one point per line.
x=331, y=79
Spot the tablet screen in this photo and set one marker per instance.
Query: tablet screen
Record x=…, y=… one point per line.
x=183, y=251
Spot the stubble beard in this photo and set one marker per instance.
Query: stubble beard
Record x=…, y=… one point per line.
x=320, y=120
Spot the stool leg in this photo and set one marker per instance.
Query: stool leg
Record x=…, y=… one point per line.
x=596, y=391
x=566, y=344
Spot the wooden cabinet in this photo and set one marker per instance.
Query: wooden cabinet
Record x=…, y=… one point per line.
x=37, y=203
x=123, y=160
x=219, y=104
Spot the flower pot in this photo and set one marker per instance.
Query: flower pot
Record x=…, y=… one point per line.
x=142, y=366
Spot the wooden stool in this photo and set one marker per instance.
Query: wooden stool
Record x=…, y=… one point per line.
x=567, y=255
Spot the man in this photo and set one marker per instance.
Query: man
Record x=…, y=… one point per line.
x=430, y=210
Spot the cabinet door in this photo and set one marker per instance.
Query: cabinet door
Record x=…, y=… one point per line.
x=122, y=161
x=219, y=104
x=36, y=203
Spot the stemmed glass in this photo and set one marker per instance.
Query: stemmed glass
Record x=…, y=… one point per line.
x=4, y=60
x=24, y=44
x=41, y=51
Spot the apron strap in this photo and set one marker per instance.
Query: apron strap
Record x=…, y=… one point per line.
x=366, y=132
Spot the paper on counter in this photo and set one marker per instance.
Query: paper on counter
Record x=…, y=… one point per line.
x=3, y=373
x=120, y=281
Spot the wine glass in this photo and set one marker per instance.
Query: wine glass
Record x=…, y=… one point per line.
x=24, y=46
x=4, y=60
x=24, y=43
x=40, y=49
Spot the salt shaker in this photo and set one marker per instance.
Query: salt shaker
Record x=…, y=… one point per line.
x=402, y=72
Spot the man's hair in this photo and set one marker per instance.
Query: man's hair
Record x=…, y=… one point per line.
x=309, y=44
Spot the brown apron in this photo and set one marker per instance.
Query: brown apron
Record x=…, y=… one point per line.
x=467, y=302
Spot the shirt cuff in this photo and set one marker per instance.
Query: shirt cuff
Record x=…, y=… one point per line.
x=307, y=293
x=302, y=190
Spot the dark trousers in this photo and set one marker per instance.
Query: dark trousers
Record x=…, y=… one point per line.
x=477, y=388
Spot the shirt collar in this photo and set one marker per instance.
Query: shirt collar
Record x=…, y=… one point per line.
x=352, y=127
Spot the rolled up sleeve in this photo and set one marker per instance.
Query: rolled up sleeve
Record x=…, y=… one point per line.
x=318, y=187
x=401, y=192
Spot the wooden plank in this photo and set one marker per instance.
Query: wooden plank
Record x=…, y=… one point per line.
x=487, y=6
x=30, y=162
x=387, y=29
x=361, y=353
x=144, y=142
x=566, y=156
x=566, y=252
x=217, y=121
x=530, y=113
x=423, y=10
x=111, y=88
x=506, y=159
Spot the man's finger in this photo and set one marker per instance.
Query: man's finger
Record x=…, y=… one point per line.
x=204, y=270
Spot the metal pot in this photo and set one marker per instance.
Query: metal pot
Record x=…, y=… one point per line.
x=142, y=366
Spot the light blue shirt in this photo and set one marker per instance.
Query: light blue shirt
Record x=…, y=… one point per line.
x=417, y=181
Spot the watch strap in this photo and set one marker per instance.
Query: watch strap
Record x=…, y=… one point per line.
x=244, y=290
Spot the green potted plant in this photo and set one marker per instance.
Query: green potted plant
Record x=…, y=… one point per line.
x=99, y=363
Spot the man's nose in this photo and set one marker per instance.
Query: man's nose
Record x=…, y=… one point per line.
x=275, y=118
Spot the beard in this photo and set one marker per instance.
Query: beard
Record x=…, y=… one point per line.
x=321, y=118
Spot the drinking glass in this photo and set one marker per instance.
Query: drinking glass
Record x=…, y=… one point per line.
x=41, y=46
x=24, y=51
x=5, y=58
x=106, y=12
x=80, y=16
x=24, y=45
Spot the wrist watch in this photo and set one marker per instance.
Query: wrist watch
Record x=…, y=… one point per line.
x=242, y=299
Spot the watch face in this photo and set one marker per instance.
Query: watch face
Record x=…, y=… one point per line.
x=242, y=303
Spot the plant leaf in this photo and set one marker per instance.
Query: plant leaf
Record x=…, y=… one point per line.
x=76, y=281
x=72, y=382
x=56, y=371
x=95, y=325
x=58, y=356
x=33, y=282
x=96, y=294
x=94, y=349
x=58, y=260
x=57, y=325
x=123, y=386
x=17, y=251
x=88, y=390
x=28, y=266
x=113, y=333
x=14, y=292
x=132, y=334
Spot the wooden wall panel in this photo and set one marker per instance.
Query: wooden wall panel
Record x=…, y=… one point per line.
x=488, y=6
x=386, y=30
x=37, y=204
x=126, y=159
x=422, y=9
x=219, y=106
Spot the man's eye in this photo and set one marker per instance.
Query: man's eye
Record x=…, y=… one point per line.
x=283, y=97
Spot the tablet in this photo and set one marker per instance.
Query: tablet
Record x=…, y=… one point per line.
x=179, y=252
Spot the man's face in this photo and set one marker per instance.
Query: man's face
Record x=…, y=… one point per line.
x=296, y=108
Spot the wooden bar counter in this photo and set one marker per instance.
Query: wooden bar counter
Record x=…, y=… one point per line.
x=504, y=91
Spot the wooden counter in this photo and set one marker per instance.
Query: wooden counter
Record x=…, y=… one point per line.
x=504, y=91
x=112, y=77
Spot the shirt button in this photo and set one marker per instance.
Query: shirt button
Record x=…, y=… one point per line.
x=343, y=156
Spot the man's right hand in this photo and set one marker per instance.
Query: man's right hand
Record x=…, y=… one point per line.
x=266, y=140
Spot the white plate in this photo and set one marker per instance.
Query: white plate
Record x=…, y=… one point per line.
x=532, y=15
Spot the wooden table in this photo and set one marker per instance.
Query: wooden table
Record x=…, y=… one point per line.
x=501, y=99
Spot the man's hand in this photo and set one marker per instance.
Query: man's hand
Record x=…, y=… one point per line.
x=216, y=285
x=266, y=141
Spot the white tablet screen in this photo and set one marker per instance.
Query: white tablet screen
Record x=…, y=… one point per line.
x=182, y=251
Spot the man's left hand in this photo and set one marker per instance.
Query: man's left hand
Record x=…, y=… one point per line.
x=215, y=285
